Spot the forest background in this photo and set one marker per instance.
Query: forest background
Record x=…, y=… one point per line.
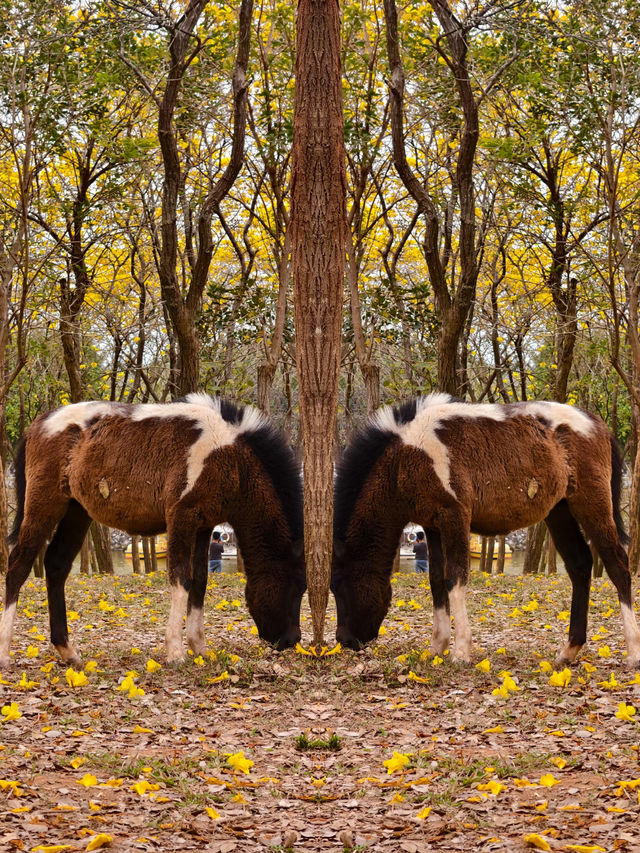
x=145, y=166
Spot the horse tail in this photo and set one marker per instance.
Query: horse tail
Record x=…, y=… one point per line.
x=617, y=467
x=21, y=488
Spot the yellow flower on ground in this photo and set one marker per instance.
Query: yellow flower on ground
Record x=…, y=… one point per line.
x=560, y=679
x=484, y=665
x=413, y=677
x=101, y=840
x=26, y=684
x=492, y=786
x=626, y=712
x=300, y=650
x=437, y=660
x=537, y=841
x=397, y=798
x=559, y=762
x=88, y=780
x=51, y=848
x=610, y=683
x=6, y=784
x=548, y=780
x=604, y=652
x=585, y=848
x=32, y=651
x=239, y=762
x=75, y=679
x=545, y=666
x=496, y=730
x=143, y=786
x=222, y=677
x=11, y=711
x=212, y=813
x=424, y=813
x=398, y=761
x=153, y=665
x=77, y=762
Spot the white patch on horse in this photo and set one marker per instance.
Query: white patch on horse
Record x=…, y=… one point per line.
x=76, y=414
x=179, y=597
x=631, y=633
x=69, y=655
x=462, y=629
x=432, y=412
x=441, y=630
x=6, y=632
x=195, y=631
x=559, y=414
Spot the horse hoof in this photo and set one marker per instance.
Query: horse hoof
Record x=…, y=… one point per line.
x=75, y=663
x=632, y=664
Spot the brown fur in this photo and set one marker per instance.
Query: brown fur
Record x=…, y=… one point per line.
x=504, y=475
x=131, y=475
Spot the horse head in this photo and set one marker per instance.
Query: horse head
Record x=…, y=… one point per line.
x=362, y=597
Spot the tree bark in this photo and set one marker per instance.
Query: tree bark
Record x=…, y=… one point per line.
x=535, y=546
x=318, y=222
x=452, y=304
x=184, y=310
x=135, y=555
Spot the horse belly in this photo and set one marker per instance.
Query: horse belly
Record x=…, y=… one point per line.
x=119, y=501
x=524, y=499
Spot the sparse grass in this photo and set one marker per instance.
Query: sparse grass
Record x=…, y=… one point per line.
x=330, y=744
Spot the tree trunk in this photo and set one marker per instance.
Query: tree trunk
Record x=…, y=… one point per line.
x=84, y=557
x=146, y=553
x=491, y=547
x=102, y=548
x=535, y=547
x=153, y=554
x=552, y=561
x=318, y=223
x=634, y=517
x=502, y=548
x=135, y=555
x=483, y=554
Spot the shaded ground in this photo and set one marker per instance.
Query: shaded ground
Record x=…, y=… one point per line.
x=483, y=772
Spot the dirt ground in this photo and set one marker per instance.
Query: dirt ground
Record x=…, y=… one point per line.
x=252, y=750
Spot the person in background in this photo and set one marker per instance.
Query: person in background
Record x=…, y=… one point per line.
x=421, y=553
x=215, y=553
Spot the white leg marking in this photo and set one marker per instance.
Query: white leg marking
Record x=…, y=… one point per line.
x=6, y=633
x=69, y=655
x=195, y=631
x=631, y=633
x=567, y=654
x=462, y=635
x=179, y=597
x=441, y=630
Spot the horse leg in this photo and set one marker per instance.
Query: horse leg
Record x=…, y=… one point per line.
x=454, y=534
x=58, y=560
x=576, y=555
x=180, y=548
x=441, y=634
x=31, y=538
x=604, y=536
x=195, y=606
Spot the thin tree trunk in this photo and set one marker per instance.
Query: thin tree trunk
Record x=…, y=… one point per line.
x=483, y=554
x=552, y=562
x=318, y=222
x=491, y=547
x=502, y=549
x=135, y=555
x=153, y=554
x=102, y=548
x=535, y=547
x=146, y=553
x=84, y=557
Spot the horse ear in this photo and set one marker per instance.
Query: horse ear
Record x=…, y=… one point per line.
x=338, y=548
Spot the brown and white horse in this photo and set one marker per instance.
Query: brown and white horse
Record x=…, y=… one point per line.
x=457, y=467
x=179, y=467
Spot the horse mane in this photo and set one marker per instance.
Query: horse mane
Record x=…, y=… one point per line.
x=278, y=459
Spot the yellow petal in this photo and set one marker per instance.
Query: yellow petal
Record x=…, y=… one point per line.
x=88, y=780
x=537, y=841
x=239, y=762
x=101, y=840
x=548, y=781
x=213, y=814
x=397, y=762
x=424, y=813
